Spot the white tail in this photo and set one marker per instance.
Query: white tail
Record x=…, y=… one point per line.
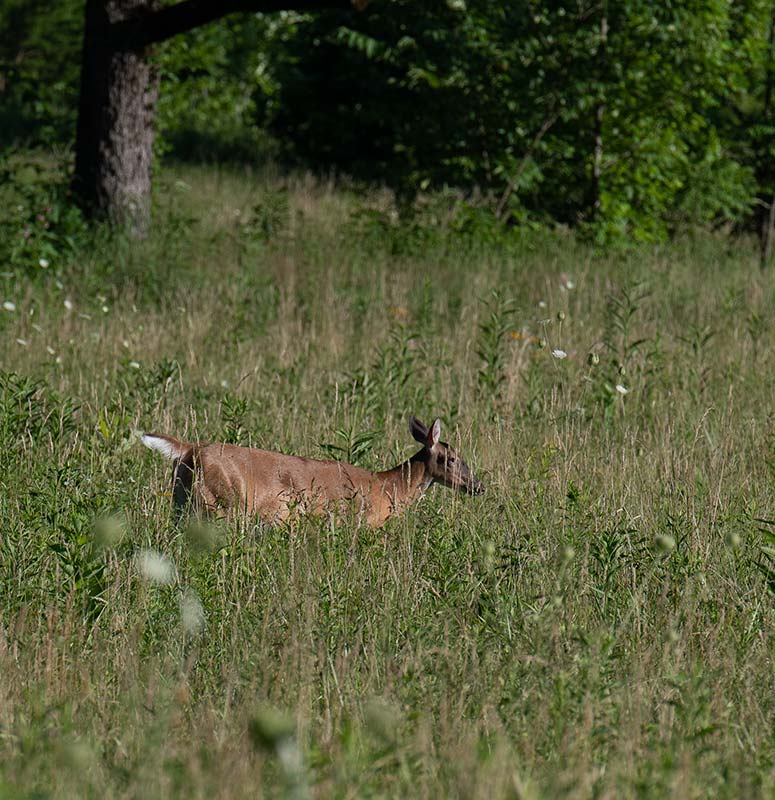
x=227, y=478
x=166, y=445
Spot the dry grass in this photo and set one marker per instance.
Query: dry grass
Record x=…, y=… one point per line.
x=599, y=624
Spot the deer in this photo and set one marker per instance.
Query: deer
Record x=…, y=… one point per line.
x=225, y=479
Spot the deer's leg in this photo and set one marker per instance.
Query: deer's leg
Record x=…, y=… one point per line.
x=183, y=474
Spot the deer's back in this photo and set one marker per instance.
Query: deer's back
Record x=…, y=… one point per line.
x=271, y=484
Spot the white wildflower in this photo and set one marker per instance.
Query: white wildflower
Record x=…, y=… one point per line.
x=50, y=350
x=621, y=389
x=192, y=613
x=109, y=531
x=559, y=353
x=134, y=364
x=43, y=262
x=155, y=567
x=733, y=539
x=9, y=306
x=22, y=342
x=69, y=305
x=542, y=303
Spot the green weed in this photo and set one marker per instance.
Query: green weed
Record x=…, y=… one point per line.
x=599, y=623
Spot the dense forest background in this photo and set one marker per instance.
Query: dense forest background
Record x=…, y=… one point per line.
x=628, y=121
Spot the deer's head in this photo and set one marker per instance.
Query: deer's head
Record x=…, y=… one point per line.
x=442, y=462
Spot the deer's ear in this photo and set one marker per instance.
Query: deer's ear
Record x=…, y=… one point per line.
x=435, y=433
x=418, y=430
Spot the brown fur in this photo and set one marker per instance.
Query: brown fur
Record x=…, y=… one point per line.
x=225, y=478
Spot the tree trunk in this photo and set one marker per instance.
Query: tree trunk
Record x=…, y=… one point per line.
x=119, y=89
x=766, y=225
x=114, y=137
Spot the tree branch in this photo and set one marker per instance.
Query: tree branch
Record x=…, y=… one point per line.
x=514, y=182
x=169, y=21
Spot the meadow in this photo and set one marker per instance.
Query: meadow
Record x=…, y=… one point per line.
x=598, y=624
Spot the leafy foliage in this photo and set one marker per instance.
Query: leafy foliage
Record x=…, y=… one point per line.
x=605, y=116
x=40, y=50
x=210, y=79
x=40, y=227
x=629, y=121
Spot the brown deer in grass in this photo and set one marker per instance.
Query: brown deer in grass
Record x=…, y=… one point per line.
x=225, y=478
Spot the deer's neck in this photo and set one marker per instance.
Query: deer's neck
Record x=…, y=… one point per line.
x=406, y=482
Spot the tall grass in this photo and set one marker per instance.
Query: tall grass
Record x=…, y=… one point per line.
x=598, y=624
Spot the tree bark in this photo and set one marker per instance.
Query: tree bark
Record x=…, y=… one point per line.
x=119, y=89
x=114, y=138
x=766, y=225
